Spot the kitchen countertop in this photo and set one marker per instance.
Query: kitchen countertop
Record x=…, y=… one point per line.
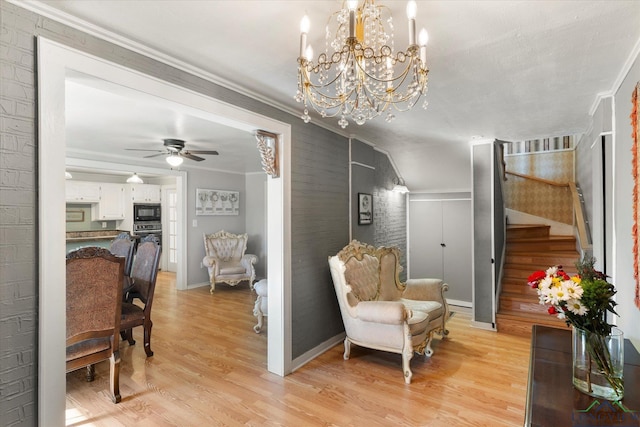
x=79, y=236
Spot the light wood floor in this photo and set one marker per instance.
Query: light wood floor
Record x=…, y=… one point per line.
x=209, y=369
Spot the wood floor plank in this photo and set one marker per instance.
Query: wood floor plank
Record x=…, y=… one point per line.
x=209, y=369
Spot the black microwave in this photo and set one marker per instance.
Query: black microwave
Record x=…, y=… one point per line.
x=146, y=213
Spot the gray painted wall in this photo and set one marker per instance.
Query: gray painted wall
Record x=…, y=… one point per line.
x=584, y=162
x=363, y=175
x=256, y=220
x=499, y=220
x=482, y=244
x=372, y=173
x=319, y=228
x=210, y=224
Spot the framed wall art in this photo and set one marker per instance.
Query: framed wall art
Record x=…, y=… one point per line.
x=217, y=202
x=365, y=208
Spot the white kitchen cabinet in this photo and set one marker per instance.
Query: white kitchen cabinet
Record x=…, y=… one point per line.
x=145, y=193
x=112, y=203
x=440, y=244
x=82, y=192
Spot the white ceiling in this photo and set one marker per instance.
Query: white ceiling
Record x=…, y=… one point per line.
x=111, y=123
x=511, y=70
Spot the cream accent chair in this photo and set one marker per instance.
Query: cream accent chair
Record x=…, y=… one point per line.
x=226, y=261
x=381, y=312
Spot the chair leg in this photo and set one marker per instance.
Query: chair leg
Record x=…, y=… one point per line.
x=213, y=287
x=114, y=377
x=258, y=313
x=407, y=354
x=147, y=338
x=129, y=336
x=91, y=371
x=428, y=351
x=347, y=349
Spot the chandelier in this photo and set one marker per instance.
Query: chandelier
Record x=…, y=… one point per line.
x=359, y=76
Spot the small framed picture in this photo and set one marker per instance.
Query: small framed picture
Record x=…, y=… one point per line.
x=365, y=208
x=217, y=202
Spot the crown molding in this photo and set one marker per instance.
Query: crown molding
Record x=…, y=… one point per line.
x=633, y=55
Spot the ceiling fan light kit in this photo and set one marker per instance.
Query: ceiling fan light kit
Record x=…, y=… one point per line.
x=362, y=78
x=174, y=160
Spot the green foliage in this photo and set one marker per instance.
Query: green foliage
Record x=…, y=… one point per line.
x=597, y=297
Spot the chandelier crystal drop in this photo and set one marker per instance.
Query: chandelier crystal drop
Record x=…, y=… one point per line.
x=359, y=76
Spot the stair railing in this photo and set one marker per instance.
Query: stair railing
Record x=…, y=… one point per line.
x=584, y=234
x=584, y=237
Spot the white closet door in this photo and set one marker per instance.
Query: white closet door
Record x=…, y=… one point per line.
x=456, y=228
x=425, y=247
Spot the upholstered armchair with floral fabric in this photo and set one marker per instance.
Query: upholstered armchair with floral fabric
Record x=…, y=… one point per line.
x=381, y=312
x=226, y=261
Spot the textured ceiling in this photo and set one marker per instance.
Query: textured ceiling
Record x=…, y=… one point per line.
x=511, y=70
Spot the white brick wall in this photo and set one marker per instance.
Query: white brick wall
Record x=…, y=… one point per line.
x=18, y=202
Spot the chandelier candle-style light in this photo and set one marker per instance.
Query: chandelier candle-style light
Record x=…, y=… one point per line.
x=359, y=76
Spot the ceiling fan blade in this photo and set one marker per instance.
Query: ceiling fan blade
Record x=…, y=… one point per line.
x=142, y=149
x=188, y=155
x=215, y=153
x=155, y=155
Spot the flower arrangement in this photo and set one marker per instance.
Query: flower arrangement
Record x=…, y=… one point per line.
x=583, y=301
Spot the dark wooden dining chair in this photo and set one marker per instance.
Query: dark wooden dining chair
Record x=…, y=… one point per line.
x=144, y=273
x=124, y=245
x=94, y=301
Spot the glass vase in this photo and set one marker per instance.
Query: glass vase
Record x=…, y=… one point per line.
x=598, y=362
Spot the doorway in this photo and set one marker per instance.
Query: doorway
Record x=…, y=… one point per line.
x=54, y=62
x=171, y=229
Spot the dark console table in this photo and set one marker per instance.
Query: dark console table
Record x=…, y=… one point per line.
x=553, y=401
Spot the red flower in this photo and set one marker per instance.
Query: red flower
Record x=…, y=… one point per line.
x=536, y=277
x=552, y=310
x=563, y=275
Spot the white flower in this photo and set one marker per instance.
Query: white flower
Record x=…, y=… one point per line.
x=558, y=294
x=576, y=307
x=545, y=283
x=574, y=290
x=552, y=271
x=561, y=314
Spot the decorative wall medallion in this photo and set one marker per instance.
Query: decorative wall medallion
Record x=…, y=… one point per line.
x=268, y=147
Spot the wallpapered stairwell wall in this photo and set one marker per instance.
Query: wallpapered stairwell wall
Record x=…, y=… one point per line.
x=537, y=198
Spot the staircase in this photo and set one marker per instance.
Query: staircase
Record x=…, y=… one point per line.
x=530, y=248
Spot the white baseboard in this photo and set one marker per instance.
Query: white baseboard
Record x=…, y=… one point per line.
x=308, y=356
x=459, y=303
x=198, y=285
x=484, y=325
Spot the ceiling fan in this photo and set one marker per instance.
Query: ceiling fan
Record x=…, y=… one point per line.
x=174, y=148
